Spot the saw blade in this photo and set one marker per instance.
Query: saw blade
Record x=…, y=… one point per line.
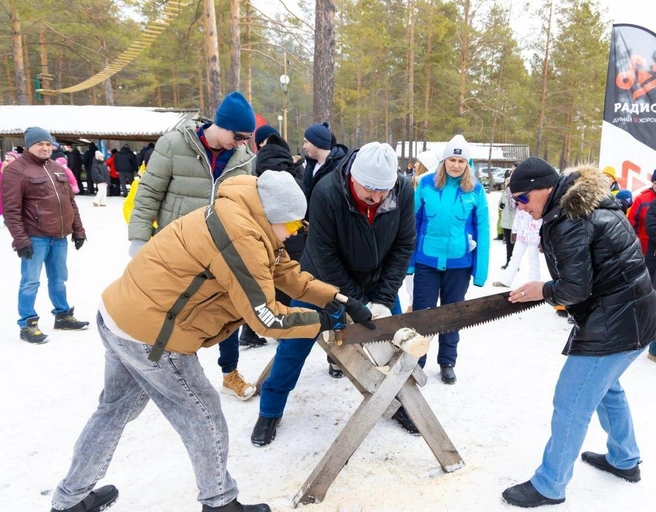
x=442, y=319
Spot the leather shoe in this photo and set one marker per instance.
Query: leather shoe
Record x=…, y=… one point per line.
x=335, y=371
x=264, y=431
x=235, y=506
x=526, y=496
x=97, y=500
x=401, y=416
x=448, y=375
x=599, y=461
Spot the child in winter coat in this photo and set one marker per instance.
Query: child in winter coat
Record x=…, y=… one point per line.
x=100, y=177
x=526, y=236
x=69, y=174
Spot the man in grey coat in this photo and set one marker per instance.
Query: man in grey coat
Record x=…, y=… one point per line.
x=184, y=171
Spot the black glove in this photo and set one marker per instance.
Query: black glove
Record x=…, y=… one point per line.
x=25, y=252
x=359, y=313
x=79, y=242
x=333, y=316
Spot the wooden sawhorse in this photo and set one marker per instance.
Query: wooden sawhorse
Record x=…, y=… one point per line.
x=383, y=394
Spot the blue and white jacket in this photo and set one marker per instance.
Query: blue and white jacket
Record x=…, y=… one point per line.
x=445, y=221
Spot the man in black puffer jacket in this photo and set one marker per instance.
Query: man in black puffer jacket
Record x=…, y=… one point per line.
x=599, y=274
x=362, y=235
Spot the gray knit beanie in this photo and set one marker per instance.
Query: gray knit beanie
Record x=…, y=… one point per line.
x=282, y=198
x=34, y=134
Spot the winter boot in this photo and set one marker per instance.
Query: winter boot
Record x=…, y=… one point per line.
x=401, y=416
x=264, y=431
x=448, y=375
x=96, y=501
x=32, y=334
x=67, y=322
x=248, y=338
x=526, y=496
x=598, y=460
x=234, y=384
x=335, y=371
x=235, y=506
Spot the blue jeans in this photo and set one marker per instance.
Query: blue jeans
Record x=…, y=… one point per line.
x=52, y=252
x=180, y=389
x=450, y=286
x=229, y=353
x=586, y=384
x=287, y=365
x=652, y=348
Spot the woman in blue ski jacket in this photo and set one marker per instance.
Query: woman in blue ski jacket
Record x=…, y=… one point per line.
x=453, y=241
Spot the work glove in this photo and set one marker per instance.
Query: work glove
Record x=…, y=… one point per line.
x=333, y=316
x=472, y=243
x=25, y=252
x=79, y=242
x=135, y=247
x=359, y=313
x=379, y=310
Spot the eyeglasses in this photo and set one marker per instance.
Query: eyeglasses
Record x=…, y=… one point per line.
x=521, y=198
x=238, y=137
x=293, y=226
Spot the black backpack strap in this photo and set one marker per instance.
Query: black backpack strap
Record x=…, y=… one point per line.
x=169, y=321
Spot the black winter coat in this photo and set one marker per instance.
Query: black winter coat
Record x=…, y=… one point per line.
x=276, y=156
x=650, y=227
x=367, y=262
x=99, y=172
x=597, y=268
x=125, y=161
x=333, y=161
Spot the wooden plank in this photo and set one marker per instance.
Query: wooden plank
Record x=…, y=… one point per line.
x=430, y=428
x=356, y=430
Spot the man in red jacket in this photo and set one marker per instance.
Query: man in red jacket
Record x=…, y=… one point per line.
x=40, y=212
x=638, y=213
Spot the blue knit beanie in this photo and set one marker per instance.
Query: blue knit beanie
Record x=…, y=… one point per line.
x=35, y=134
x=319, y=135
x=263, y=132
x=235, y=113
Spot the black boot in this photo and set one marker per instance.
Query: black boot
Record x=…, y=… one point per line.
x=248, y=338
x=264, y=431
x=31, y=333
x=599, y=461
x=67, y=322
x=335, y=371
x=401, y=416
x=526, y=496
x=97, y=500
x=235, y=506
x=448, y=375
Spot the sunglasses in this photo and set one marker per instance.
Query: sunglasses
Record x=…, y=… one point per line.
x=521, y=198
x=238, y=137
x=293, y=226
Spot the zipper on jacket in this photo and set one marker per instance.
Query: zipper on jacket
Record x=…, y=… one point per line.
x=61, y=216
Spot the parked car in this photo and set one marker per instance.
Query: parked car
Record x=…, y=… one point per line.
x=498, y=176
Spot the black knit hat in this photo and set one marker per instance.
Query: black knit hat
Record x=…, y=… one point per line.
x=263, y=132
x=531, y=174
x=319, y=134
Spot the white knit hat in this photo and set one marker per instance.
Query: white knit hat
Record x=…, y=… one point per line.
x=282, y=199
x=457, y=147
x=375, y=166
x=429, y=160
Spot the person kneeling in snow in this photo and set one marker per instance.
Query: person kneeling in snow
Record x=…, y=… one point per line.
x=192, y=286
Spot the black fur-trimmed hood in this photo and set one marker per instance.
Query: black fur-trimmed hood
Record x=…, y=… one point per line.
x=588, y=190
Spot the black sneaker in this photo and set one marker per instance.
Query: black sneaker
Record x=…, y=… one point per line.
x=96, y=501
x=67, y=322
x=264, y=431
x=248, y=338
x=447, y=374
x=598, y=460
x=401, y=416
x=335, y=371
x=32, y=334
x=235, y=506
x=526, y=496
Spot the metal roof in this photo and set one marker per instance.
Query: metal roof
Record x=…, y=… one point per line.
x=93, y=121
x=478, y=151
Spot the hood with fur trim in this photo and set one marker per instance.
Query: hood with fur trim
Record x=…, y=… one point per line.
x=587, y=191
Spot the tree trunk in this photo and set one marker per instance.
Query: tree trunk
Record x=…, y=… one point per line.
x=324, y=60
x=212, y=56
x=201, y=87
x=58, y=76
x=464, y=62
x=107, y=84
x=19, y=64
x=28, y=73
x=247, y=55
x=235, y=48
x=9, y=93
x=427, y=89
x=45, y=75
x=543, y=89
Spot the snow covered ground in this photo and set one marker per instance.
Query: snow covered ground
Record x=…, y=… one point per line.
x=497, y=415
